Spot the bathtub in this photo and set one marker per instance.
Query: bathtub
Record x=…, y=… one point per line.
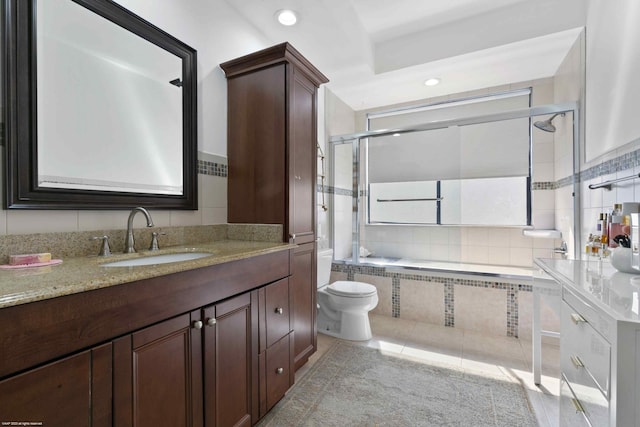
x=491, y=299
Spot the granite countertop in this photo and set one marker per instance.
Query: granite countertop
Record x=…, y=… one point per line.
x=80, y=274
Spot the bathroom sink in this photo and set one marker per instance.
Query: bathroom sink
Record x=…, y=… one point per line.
x=158, y=259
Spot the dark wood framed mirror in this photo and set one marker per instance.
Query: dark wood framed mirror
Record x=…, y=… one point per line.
x=100, y=109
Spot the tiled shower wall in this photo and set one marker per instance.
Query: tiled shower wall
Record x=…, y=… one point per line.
x=481, y=245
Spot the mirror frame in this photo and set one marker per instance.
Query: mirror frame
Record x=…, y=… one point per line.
x=20, y=117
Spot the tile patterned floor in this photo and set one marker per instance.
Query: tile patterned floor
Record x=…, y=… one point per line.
x=469, y=350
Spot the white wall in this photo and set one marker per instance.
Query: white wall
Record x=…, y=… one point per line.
x=612, y=123
x=219, y=34
x=613, y=66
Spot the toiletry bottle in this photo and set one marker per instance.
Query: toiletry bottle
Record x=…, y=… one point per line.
x=599, y=224
x=615, y=224
x=595, y=247
x=604, y=237
x=587, y=247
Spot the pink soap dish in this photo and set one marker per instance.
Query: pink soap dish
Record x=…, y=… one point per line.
x=36, y=264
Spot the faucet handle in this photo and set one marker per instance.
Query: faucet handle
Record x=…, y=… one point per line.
x=154, y=240
x=105, y=250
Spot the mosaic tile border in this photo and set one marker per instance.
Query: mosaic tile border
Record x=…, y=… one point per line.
x=513, y=289
x=617, y=164
x=206, y=167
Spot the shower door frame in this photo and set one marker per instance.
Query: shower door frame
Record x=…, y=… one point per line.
x=542, y=110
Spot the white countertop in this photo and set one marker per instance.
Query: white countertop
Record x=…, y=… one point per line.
x=597, y=283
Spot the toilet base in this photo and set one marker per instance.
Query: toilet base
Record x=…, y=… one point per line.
x=351, y=326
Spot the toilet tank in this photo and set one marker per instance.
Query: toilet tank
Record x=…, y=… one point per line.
x=325, y=256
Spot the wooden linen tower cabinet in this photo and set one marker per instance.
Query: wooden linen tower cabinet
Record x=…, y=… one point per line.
x=272, y=151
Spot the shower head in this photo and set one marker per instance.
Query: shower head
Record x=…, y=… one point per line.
x=546, y=125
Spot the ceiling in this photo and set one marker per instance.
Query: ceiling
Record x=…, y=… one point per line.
x=380, y=52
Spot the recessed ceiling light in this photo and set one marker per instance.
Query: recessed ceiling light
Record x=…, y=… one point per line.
x=432, y=81
x=287, y=17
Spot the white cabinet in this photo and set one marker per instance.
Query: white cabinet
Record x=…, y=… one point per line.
x=599, y=344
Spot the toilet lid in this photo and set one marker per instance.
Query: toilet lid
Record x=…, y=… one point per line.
x=351, y=289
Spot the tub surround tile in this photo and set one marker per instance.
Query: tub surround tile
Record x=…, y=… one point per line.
x=480, y=309
x=406, y=300
x=422, y=301
x=384, y=287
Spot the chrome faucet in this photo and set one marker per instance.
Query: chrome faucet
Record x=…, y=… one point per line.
x=562, y=250
x=129, y=243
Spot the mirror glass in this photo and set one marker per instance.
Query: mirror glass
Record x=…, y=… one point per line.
x=104, y=109
x=108, y=116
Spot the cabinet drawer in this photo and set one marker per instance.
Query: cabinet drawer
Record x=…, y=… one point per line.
x=278, y=370
x=580, y=408
x=277, y=313
x=585, y=356
x=604, y=324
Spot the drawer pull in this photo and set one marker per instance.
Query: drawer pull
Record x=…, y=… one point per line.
x=577, y=405
x=197, y=324
x=211, y=321
x=279, y=371
x=279, y=310
x=577, y=362
x=576, y=318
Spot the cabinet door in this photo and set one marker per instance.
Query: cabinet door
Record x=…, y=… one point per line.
x=158, y=375
x=75, y=391
x=302, y=157
x=256, y=147
x=230, y=358
x=303, y=292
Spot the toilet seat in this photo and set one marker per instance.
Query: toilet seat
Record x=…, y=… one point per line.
x=351, y=289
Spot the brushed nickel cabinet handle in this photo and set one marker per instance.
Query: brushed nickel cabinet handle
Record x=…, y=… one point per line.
x=576, y=318
x=576, y=362
x=577, y=405
x=292, y=237
x=279, y=371
x=279, y=310
x=197, y=324
x=211, y=321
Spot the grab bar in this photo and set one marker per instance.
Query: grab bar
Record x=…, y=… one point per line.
x=607, y=184
x=436, y=199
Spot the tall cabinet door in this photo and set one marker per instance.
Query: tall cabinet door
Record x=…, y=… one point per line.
x=302, y=152
x=231, y=362
x=158, y=375
x=303, y=295
x=256, y=147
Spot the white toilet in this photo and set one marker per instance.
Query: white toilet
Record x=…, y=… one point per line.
x=343, y=306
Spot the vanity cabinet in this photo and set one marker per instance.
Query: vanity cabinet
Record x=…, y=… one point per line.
x=180, y=350
x=272, y=152
x=73, y=391
x=599, y=344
